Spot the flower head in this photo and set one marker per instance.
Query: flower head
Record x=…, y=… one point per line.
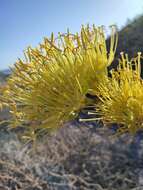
x=49, y=87
x=122, y=96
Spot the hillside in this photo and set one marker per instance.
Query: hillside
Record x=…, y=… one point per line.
x=130, y=39
x=3, y=75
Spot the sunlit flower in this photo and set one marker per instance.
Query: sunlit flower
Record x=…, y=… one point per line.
x=49, y=87
x=122, y=96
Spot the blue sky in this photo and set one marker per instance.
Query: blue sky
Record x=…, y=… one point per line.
x=26, y=22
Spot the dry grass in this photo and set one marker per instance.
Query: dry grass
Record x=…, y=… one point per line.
x=75, y=158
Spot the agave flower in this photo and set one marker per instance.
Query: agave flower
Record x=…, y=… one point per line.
x=49, y=87
x=122, y=97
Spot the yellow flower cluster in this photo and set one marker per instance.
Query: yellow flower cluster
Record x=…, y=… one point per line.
x=49, y=87
x=122, y=96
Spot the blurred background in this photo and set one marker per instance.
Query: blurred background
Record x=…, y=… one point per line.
x=24, y=23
